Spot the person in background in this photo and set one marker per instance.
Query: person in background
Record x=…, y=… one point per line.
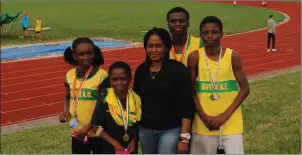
x=38, y=29
x=271, y=33
x=24, y=22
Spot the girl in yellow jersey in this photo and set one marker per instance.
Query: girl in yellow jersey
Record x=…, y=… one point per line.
x=38, y=29
x=83, y=86
x=118, y=113
x=215, y=72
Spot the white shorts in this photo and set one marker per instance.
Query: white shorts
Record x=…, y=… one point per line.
x=203, y=144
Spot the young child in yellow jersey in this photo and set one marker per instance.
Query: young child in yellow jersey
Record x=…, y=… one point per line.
x=116, y=115
x=38, y=28
x=215, y=71
x=84, y=84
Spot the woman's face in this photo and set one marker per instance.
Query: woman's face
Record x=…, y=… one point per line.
x=155, y=48
x=84, y=54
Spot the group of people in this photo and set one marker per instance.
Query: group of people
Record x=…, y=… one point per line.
x=184, y=94
x=25, y=26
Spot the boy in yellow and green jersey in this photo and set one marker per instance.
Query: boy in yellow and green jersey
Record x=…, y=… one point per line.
x=215, y=72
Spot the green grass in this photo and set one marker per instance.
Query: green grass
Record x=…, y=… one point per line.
x=272, y=116
x=126, y=20
x=45, y=140
x=271, y=122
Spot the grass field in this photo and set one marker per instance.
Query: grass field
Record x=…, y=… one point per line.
x=125, y=20
x=271, y=123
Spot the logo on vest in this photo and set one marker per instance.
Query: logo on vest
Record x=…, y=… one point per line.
x=222, y=86
x=85, y=94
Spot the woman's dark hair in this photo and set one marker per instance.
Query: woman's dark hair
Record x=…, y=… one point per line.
x=164, y=35
x=120, y=64
x=211, y=19
x=69, y=52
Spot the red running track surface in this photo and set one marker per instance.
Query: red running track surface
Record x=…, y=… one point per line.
x=33, y=89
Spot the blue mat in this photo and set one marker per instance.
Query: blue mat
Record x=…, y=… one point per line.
x=42, y=49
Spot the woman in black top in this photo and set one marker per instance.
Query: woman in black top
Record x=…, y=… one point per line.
x=115, y=116
x=164, y=86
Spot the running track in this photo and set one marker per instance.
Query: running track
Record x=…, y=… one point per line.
x=33, y=89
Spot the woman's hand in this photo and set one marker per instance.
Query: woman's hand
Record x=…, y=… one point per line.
x=182, y=148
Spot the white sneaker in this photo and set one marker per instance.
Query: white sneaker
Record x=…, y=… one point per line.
x=268, y=50
x=274, y=50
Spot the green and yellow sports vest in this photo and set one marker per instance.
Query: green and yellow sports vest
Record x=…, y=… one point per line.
x=88, y=95
x=227, y=90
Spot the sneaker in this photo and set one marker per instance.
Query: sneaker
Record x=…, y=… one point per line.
x=268, y=50
x=274, y=50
